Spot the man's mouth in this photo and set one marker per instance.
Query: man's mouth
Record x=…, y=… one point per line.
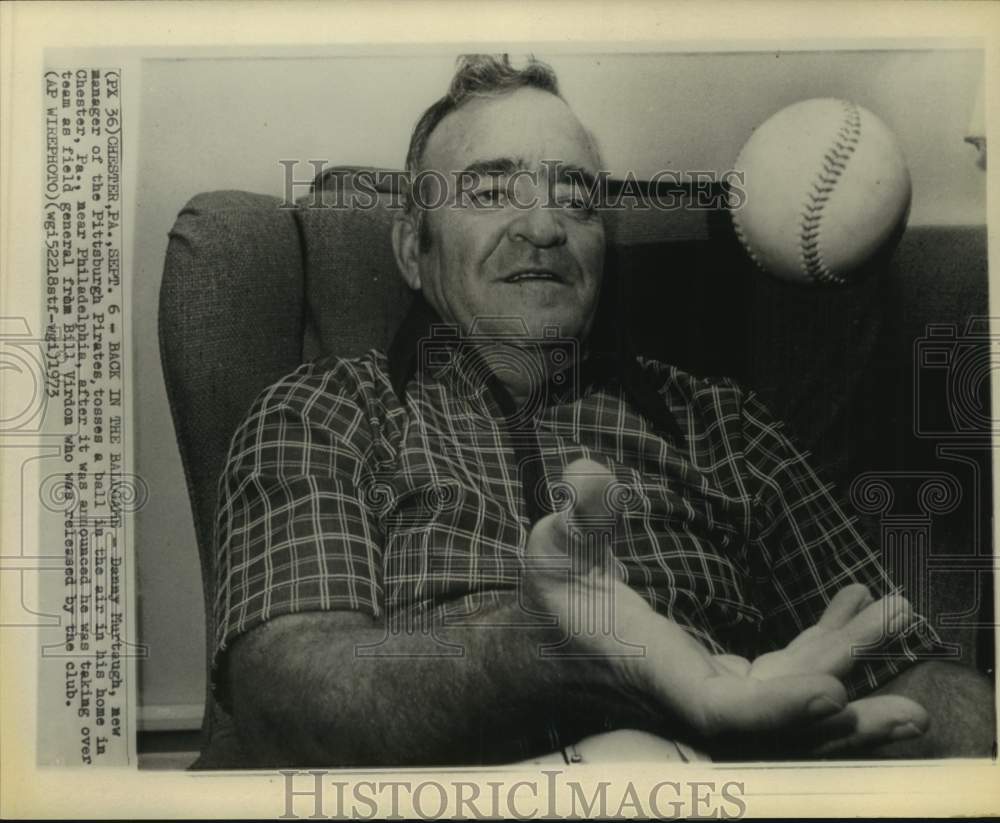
x=534, y=274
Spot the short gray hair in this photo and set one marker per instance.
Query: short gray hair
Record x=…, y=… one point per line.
x=477, y=75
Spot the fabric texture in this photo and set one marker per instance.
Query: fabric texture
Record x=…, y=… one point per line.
x=354, y=297
x=340, y=495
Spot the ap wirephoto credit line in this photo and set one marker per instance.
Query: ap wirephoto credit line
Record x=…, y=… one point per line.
x=85, y=490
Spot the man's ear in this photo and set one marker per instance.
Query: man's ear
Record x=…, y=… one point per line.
x=406, y=247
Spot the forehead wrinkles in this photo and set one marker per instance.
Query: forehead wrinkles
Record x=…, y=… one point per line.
x=526, y=125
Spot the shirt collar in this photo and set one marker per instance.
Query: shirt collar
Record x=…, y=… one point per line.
x=616, y=368
x=404, y=349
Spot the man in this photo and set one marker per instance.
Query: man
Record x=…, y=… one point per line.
x=491, y=543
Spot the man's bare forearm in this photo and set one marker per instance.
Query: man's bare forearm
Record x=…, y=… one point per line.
x=304, y=692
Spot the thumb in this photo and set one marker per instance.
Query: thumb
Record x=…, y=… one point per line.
x=585, y=492
x=581, y=498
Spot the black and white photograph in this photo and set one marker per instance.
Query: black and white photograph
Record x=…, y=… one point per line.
x=552, y=407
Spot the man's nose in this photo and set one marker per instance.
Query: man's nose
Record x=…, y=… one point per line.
x=538, y=225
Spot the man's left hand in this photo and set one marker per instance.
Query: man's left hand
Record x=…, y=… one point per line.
x=852, y=619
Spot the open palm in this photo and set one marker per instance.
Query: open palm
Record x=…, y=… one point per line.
x=788, y=702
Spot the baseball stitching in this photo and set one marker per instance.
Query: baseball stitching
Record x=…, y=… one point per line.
x=741, y=235
x=834, y=163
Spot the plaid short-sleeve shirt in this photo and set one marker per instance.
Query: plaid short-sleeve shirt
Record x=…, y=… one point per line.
x=343, y=493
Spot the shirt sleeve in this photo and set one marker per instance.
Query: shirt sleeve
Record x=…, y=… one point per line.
x=293, y=532
x=809, y=547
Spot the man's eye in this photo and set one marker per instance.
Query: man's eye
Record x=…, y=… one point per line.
x=574, y=203
x=491, y=197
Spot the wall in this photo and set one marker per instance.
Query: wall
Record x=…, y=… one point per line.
x=224, y=124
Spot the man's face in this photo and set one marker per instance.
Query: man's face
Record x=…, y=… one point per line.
x=542, y=264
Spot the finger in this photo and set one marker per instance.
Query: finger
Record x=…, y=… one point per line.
x=733, y=663
x=835, y=651
x=547, y=538
x=588, y=482
x=866, y=724
x=726, y=704
x=880, y=620
x=557, y=585
x=856, y=730
x=844, y=606
x=565, y=536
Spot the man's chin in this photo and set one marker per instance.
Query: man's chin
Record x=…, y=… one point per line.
x=533, y=328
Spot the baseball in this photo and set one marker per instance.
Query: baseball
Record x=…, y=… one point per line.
x=825, y=189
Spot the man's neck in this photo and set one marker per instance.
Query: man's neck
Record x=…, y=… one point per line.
x=528, y=368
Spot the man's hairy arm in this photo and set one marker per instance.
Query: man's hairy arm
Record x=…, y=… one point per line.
x=303, y=695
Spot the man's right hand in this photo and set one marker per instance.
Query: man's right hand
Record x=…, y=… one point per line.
x=787, y=703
